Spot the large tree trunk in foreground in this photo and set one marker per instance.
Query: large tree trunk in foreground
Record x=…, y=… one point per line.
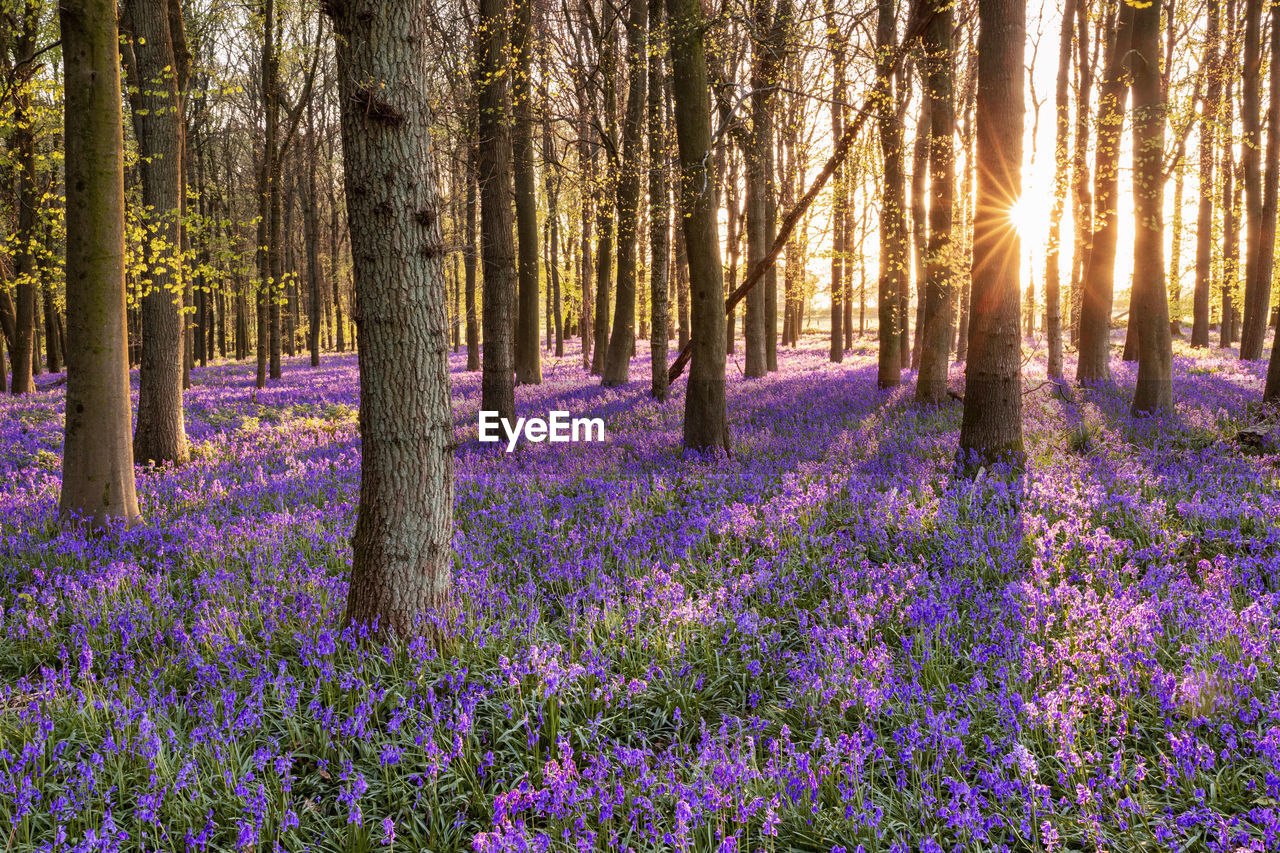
x=1099, y=273
x=1150, y=311
x=706, y=422
x=1272, y=391
x=160, y=435
x=527, y=352
x=992, y=426
x=618, y=356
x=402, y=560
x=497, y=252
x=935, y=336
x=659, y=208
x=1204, y=216
x=97, y=451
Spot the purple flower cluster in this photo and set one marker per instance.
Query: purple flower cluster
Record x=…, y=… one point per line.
x=824, y=641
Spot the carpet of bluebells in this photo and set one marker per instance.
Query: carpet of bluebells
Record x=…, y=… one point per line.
x=828, y=641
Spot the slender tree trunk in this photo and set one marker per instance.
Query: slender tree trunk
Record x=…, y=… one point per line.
x=527, y=352
x=1150, y=311
x=469, y=259
x=605, y=206
x=706, y=422
x=1230, y=190
x=160, y=436
x=618, y=356
x=589, y=194
x=1061, y=177
x=1257, y=274
x=1082, y=197
x=97, y=454
x=931, y=383
x=839, y=209
x=27, y=199
x=659, y=206
x=893, y=225
x=53, y=351
x=1099, y=274
x=992, y=424
x=497, y=384
x=402, y=548
x=1204, y=216
x=919, y=223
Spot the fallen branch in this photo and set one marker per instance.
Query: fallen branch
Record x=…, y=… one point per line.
x=920, y=17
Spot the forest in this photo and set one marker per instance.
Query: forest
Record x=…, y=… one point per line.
x=700, y=425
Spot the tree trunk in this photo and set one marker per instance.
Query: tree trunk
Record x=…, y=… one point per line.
x=1150, y=311
x=1257, y=273
x=1204, y=216
x=493, y=155
x=27, y=198
x=919, y=223
x=839, y=209
x=469, y=259
x=528, y=354
x=706, y=422
x=402, y=548
x=992, y=425
x=931, y=383
x=618, y=356
x=160, y=436
x=1061, y=176
x=605, y=206
x=893, y=225
x=1271, y=393
x=659, y=207
x=1082, y=197
x=1099, y=274
x=97, y=455
x=1230, y=190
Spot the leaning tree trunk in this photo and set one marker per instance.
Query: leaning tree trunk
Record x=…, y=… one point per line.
x=402, y=548
x=659, y=207
x=97, y=453
x=160, y=436
x=497, y=253
x=935, y=339
x=1149, y=314
x=1204, y=216
x=527, y=352
x=706, y=421
x=618, y=357
x=893, y=227
x=992, y=425
x=1099, y=273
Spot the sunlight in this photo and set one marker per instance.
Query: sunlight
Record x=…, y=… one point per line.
x=1031, y=219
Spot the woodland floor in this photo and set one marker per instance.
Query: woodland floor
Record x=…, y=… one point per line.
x=823, y=642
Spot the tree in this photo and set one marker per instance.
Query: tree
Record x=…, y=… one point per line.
x=1150, y=307
x=618, y=356
x=1271, y=393
x=659, y=207
x=1261, y=215
x=1061, y=176
x=527, y=352
x=160, y=435
x=706, y=421
x=1204, y=217
x=893, y=223
x=1099, y=272
x=839, y=227
x=992, y=426
x=402, y=560
x=97, y=452
x=493, y=169
x=931, y=383
x=27, y=198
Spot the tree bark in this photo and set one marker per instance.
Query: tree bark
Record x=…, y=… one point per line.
x=919, y=214
x=931, y=382
x=1061, y=177
x=1099, y=274
x=1149, y=314
x=659, y=207
x=1082, y=197
x=27, y=199
x=618, y=356
x=497, y=252
x=160, y=436
x=839, y=209
x=402, y=548
x=992, y=425
x=1257, y=273
x=893, y=225
x=706, y=422
x=1204, y=216
x=528, y=353
x=469, y=259
x=97, y=455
